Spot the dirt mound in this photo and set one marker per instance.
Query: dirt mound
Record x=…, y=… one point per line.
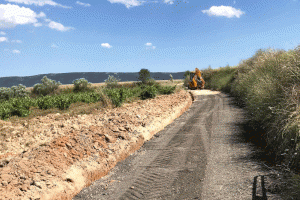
x=55, y=156
x=203, y=92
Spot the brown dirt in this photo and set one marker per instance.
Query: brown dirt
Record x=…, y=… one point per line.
x=204, y=92
x=56, y=156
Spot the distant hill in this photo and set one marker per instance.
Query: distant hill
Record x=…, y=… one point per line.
x=92, y=77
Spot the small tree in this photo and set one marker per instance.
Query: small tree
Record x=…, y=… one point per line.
x=186, y=73
x=144, y=75
x=111, y=82
x=186, y=81
x=171, y=78
x=14, y=91
x=48, y=86
x=81, y=85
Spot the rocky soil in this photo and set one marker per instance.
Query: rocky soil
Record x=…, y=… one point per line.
x=55, y=156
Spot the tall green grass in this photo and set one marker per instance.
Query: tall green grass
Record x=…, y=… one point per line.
x=219, y=79
x=268, y=85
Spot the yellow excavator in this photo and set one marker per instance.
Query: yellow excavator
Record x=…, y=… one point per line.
x=196, y=80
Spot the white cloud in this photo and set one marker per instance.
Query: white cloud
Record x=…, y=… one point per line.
x=128, y=3
x=132, y=3
x=16, y=51
x=150, y=46
x=16, y=41
x=169, y=1
x=83, y=4
x=42, y=14
x=37, y=24
x=59, y=26
x=3, y=39
x=13, y=15
x=226, y=11
x=38, y=2
x=54, y=46
x=106, y=45
x=2, y=33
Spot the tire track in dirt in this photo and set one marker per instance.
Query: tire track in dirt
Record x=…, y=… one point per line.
x=165, y=168
x=166, y=160
x=198, y=156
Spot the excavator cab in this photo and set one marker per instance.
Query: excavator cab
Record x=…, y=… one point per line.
x=196, y=80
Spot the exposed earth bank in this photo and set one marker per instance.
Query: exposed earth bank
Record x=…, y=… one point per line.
x=65, y=154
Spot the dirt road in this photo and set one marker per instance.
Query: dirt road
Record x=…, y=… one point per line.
x=199, y=156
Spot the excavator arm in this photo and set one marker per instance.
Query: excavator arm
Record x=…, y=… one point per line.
x=196, y=81
x=193, y=82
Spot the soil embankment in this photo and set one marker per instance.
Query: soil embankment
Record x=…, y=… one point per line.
x=66, y=154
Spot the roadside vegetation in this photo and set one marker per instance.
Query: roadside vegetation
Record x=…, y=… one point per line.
x=267, y=86
x=219, y=79
x=16, y=103
x=186, y=78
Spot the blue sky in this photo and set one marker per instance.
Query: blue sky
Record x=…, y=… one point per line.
x=55, y=36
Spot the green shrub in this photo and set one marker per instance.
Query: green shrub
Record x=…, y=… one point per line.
x=148, y=92
x=81, y=85
x=5, y=110
x=167, y=89
x=114, y=95
x=19, y=91
x=136, y=91
x=125, y=93
x=25, y=102
x=186, y=81
x=20, y=106
x=48, y=86
x=186, y=73
x=95, y=97
x=46, y=102
x=14, y=91
x=89, y=97
x=73, y=97
x=144, y=75
x=219, y=79
x=62, y=102
x=111, y=82
x=119, y=95
x=152, y=82
x=142, y=86
x=5, y=93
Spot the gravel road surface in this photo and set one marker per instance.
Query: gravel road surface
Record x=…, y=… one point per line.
x=198, y=156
